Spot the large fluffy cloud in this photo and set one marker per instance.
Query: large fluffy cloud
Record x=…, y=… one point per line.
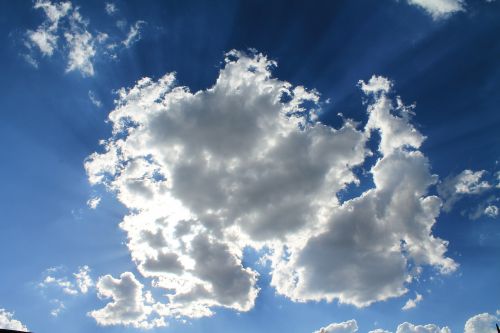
x=247, y=163
x=483, y=322
x=8, y=322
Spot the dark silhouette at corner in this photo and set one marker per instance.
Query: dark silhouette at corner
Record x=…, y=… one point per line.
x=12, y=331
x=498, y=328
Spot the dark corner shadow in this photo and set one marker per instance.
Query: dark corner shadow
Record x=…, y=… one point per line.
x=12, y=331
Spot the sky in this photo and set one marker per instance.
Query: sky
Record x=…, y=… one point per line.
x=251, y=166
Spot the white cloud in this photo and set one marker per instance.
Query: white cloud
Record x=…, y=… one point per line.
x=79, y=41
x=66, y=286
x=44, y=39
x=7, y=321
x=80, y=45
x=376, y=85
x=134, y=34
x=429, y=328
x=349, y=326
x=468, y=182
x=45, y=36
x=54, y=12
x=93, y=202
x=439, y=8
x=83, y=279
x=244, y=163
x=58, y=307
x=128, y=303
x=482, y=323
x=412, y=303
x=81, y=52
x=94, y=99
x=55, y=282
x=491, y=211
x=110, y=8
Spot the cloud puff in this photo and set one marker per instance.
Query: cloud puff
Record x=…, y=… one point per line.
x=247, y=163
x=8, y=322
x=467, y=182
x=80, y=44
x=481, y=323
x=412, y=303
x=491, y=211
x=128, y=305
x=439, y=8
x=110, y=8
x=93, y=202
x=430, y=328
x=83, y=280
x=349, y=326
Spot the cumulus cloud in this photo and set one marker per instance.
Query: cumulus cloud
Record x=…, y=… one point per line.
x=65, y=30
x=481, y=323
x=349, y=326
x=412, y=303
x=429, y=328
x=8, y=322
x=128, y=305
x=467, y=182
x=439, y=8
x=247, y=163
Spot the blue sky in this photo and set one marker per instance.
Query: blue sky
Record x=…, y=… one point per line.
x=289, y=166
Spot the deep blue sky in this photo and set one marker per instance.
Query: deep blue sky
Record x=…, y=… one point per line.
x=449, y=67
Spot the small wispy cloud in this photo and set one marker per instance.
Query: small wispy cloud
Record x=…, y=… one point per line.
x=97, y=102
x=412, y=303
x=110, y=8
x=134, y=34
x=57, y=286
